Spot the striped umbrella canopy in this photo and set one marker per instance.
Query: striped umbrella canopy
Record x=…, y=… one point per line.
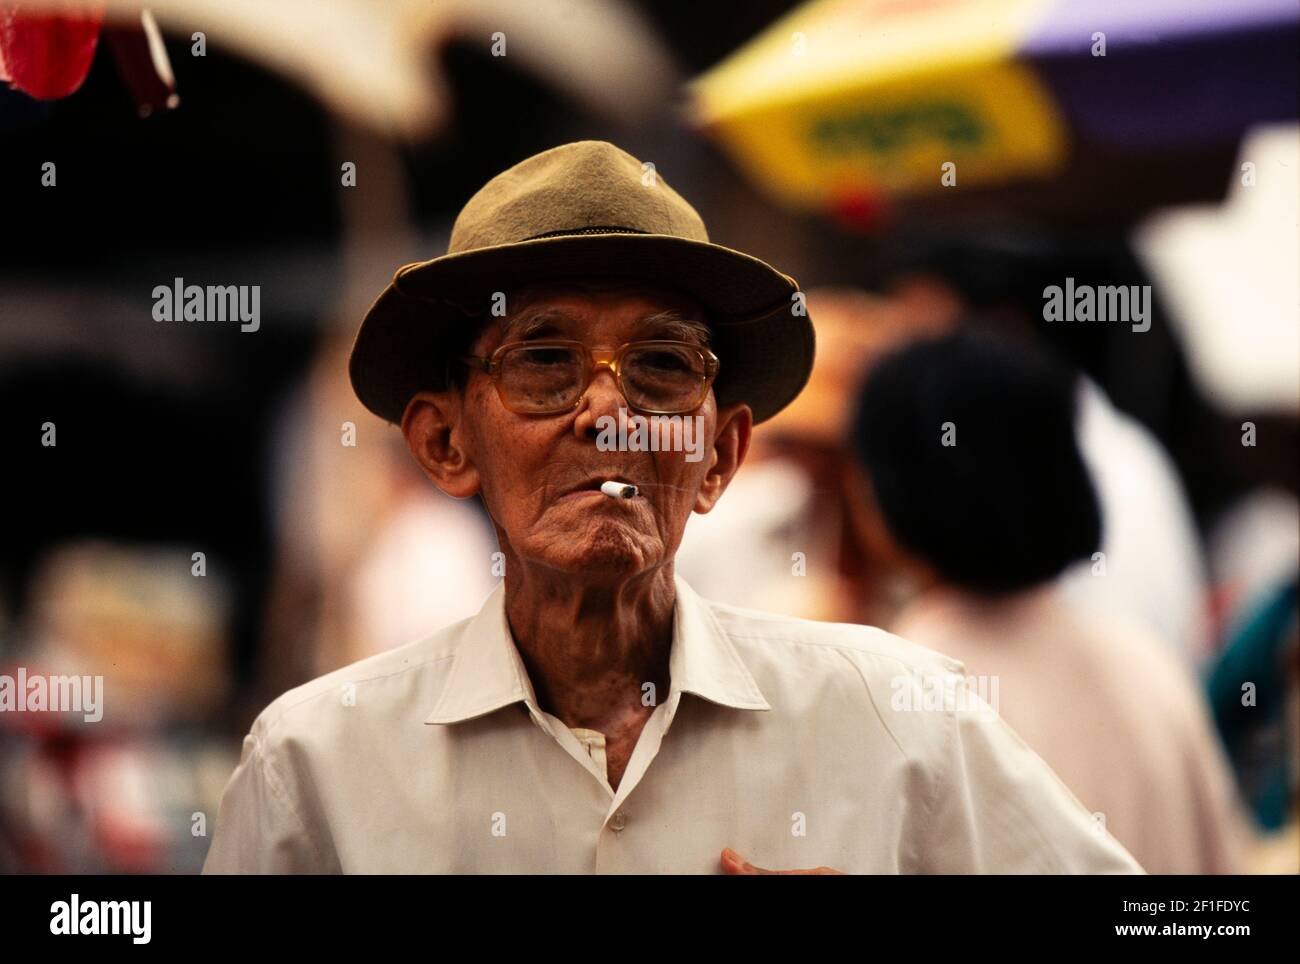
x=1090, y=109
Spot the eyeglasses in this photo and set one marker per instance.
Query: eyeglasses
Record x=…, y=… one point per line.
x=549, y=377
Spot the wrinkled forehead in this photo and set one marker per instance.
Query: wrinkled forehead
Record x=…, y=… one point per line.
x=583, y=310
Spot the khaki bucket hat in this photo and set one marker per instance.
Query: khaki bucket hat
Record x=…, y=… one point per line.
x=585, y=210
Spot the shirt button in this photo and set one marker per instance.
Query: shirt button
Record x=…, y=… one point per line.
x=618, y=821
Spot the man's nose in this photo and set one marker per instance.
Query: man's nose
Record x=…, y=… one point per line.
x=601, y=398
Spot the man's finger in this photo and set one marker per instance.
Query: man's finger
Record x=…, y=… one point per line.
x=737, y=866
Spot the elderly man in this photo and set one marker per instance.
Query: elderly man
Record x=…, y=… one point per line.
x=597, y=715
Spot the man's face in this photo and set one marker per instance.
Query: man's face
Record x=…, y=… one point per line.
x=540, y=475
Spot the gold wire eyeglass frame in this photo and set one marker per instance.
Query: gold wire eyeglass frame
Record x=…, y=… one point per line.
x=593, y=359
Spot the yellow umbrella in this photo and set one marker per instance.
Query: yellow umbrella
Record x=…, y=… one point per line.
x=844, y=100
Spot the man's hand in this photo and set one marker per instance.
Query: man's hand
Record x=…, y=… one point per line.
x=737, y=866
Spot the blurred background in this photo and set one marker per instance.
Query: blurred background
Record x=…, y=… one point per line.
x=922, y=167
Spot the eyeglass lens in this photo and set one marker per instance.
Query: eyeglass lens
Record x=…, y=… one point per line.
x=654, y=377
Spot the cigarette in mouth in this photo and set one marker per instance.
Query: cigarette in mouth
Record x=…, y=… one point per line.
x=618, y=490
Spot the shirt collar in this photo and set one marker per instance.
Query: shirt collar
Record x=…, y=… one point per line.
x=487, y=672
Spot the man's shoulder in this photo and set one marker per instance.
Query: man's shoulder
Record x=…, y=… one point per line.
x=820, y=671
x=375, y=682
x=873, y=649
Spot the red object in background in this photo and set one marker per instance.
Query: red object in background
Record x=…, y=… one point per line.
x=47, y=56
x=860, y=209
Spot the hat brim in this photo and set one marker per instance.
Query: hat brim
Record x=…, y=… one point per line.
x=765, y=347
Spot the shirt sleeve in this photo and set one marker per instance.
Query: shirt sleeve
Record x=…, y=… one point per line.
x=998, y=808
x=260, y=827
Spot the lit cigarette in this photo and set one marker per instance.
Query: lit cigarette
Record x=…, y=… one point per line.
x=618, y=490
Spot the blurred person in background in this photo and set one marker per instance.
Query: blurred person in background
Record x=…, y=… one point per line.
x=783, y=539
x=972, y=483
x=1150, y=542
x=1254, y=689
x=368, y=555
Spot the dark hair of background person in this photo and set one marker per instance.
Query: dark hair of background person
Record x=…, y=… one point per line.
x=1001, y=273
x=1010, y=504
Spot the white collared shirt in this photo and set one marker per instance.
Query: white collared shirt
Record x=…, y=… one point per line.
x=797, y=744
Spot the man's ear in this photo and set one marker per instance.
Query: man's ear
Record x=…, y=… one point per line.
x=735, y=428
x=434, y=434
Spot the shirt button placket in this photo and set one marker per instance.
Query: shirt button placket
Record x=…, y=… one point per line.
x=609, y=857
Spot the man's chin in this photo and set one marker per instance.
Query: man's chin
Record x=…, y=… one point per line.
x=599, y=552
